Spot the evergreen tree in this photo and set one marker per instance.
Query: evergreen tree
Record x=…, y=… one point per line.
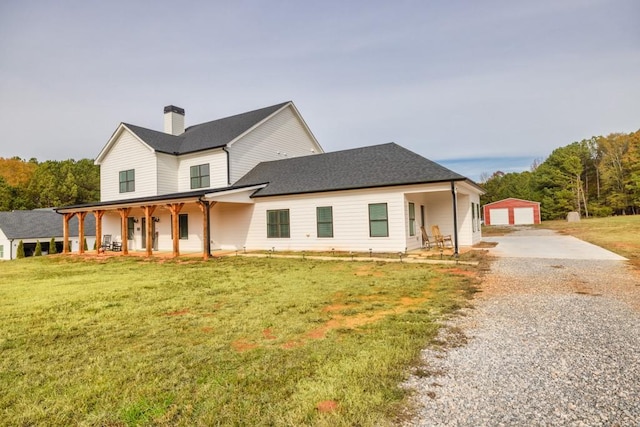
x=84, y=245
x=38, y=251
x=20, y=252
x=52, y=246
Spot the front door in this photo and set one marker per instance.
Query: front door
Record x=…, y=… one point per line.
x=154, y=243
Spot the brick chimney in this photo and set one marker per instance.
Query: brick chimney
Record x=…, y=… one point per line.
x=173, y=120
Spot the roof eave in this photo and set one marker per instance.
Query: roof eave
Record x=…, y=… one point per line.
x=364, y=187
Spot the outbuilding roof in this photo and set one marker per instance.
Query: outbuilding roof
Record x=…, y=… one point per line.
x=366, y=167
x=205, y=136
x=512, y=200
x=41, y=224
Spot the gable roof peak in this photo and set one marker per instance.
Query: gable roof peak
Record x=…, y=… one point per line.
x=204, y=136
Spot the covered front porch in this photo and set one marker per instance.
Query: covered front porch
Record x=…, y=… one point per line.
x=451, y=206
x=174, y=223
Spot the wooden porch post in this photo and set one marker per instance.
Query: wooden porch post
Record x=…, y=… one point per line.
x=205, y=207
x=81, y=216
x=148, y=211
x=98, y=215
x=175, y=209
x=124, y=213
x=65, y=228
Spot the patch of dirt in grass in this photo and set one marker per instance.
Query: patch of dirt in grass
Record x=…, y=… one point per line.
x=335, y=307
x=365, y=270
x=268, y=334
x=327, y=406
x=291, y=344
x=182, y=312
x=242, y=345
x=341, y=321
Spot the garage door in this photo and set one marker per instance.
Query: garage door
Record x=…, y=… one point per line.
x=523, y=215
x=499, y=217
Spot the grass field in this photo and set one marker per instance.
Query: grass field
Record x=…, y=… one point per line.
x=619, y=234
x=231, y=341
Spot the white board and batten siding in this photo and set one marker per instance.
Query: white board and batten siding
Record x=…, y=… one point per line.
x=282, y=136
x=230, y=223
x=350, y=222
x=167, y=173
x=217, y=161
x=128, y=153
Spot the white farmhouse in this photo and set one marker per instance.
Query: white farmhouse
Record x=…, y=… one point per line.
x=260, y=180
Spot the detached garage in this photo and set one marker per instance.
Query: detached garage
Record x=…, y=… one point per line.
x=512, y=212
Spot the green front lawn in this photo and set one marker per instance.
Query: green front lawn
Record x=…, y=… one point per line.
x=231, y=341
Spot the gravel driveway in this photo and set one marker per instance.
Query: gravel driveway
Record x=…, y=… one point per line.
x=550, y=341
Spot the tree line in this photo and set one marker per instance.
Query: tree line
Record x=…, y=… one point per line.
x=29, y=184
x=599, y=176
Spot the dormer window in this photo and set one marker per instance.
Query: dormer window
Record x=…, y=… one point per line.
x=127, y=181
x=200, y=176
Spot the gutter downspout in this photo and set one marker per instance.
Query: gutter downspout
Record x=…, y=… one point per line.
x=228, y=165
x=454, y=196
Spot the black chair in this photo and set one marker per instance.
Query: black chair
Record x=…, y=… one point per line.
x=106, y=242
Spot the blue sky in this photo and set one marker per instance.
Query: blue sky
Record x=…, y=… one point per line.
x=477, y=85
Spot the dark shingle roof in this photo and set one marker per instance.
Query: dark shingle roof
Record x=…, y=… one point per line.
x=204, y=136
x=41, y=224
x=367, y=167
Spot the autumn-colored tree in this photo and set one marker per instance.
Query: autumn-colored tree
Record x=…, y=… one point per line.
x=16, y=171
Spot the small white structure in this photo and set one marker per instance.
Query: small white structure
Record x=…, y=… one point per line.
x=31, y=226
x=260, y=180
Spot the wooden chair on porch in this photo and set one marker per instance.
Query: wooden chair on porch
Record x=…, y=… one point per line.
x=426, y=241
x=440, y=238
